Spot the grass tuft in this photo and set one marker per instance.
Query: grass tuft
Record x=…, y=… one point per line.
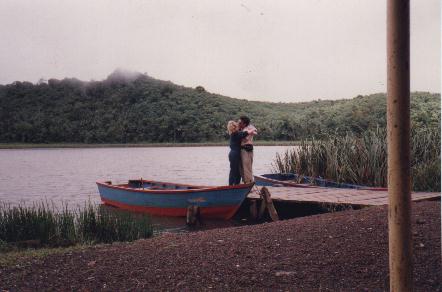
x=42, y=225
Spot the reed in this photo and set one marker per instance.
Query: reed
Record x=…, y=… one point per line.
x=106, y=225
x=44, y=225
x=362, y=159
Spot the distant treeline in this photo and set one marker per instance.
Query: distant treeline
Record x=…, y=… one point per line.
x=137, y=108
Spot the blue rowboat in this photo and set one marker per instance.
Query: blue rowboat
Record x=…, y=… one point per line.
x=300, y=181
x=171, y=199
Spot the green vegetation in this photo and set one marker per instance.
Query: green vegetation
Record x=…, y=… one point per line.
x=135, y=108
x=42, y=225
x=362, y=159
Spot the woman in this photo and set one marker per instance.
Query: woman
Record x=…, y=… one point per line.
x=235, y=151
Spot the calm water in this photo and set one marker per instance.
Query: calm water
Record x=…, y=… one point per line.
x=69, y=175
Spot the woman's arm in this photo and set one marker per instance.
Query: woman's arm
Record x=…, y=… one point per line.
x=243, y=134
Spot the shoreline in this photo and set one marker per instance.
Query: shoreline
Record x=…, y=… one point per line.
x=135, y=145
x=320, y=252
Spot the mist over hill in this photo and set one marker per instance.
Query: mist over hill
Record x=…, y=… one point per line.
x=130, y=107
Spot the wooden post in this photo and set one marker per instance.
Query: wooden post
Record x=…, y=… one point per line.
x=253, y=210
x=262, y=207
x=398, y=133
x=193, y=215
x=267, y=200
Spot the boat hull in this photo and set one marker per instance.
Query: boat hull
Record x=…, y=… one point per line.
x=225, y=212
x=270, y=180
x=213, y=202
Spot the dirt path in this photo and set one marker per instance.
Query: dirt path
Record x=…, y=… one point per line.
x=345, y=251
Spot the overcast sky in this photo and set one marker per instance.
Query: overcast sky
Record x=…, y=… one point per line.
x=271, y=50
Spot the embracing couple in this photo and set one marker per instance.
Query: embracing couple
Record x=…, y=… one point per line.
x=241, y=150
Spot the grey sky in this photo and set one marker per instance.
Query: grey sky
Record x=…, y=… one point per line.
x=262, y=50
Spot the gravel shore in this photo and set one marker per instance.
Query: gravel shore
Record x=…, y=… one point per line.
x=342, y=251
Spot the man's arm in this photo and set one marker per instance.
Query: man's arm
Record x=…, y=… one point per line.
x=253, y=131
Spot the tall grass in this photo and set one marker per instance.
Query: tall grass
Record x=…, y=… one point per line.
x=51, y=227
x=362, y=159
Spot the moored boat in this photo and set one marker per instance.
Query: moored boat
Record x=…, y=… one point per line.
x=171, y=199
x=300, y=181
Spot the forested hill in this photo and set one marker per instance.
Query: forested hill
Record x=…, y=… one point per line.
x=137, y=108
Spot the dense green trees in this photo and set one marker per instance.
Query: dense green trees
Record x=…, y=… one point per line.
x=137, y=108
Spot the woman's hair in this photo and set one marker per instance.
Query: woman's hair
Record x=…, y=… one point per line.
x=232, y=127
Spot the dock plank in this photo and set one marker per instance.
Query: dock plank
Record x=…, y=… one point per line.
x=337, y=196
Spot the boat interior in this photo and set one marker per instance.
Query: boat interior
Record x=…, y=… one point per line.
x=155, y=185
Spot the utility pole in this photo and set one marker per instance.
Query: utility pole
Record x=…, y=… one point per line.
x=398, y=126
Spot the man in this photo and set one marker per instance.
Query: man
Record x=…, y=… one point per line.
x=247, y=149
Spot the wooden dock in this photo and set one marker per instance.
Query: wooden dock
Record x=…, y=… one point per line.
x=335, y=196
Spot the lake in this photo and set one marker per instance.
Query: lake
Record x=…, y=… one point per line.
x=69, y=175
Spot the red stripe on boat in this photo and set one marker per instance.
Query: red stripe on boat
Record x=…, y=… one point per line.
x=224, y=212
